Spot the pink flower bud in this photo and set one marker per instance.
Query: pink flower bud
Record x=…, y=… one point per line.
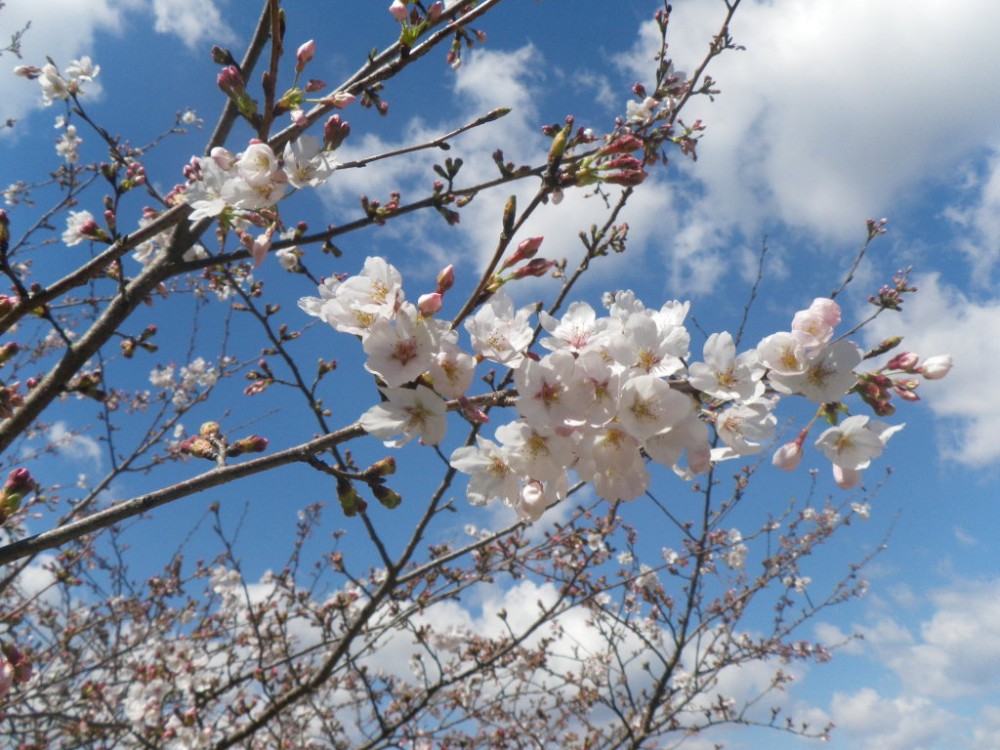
x=472, y=412
x=536, y=267
x=304, y=54
x=905, y=361
x=428, y=304
x=827, y=309
x=935, y=368
x=230, y=81
x=526, y=250
x=446, y=279
x=398, y=10
x=788, y=456
x=335, y=132
x=19, y=481
x=625, y=144
x=434, y=12
x=313, y=85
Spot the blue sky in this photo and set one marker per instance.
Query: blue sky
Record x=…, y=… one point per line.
x=837, y=111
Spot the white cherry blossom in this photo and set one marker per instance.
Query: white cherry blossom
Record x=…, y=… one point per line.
x=407, y=412
x=498, y=332
x=723, y=374
x=827, y=377
x=490, y=474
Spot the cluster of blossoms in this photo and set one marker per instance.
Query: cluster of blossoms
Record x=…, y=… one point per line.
x=609, y=393
x=188, y=383
x=253, y=181
x=56, y=85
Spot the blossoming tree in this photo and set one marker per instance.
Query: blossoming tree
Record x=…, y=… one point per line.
x=609, y=609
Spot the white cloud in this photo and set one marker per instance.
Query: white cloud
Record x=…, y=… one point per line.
x=976, y=216
x=665, y=238
x=67, y=29
x=60, y=29
x=940, y=319
x=948, y=667
x=875, y=723
x=76, y=446
x=195, y=22
x=835, y=111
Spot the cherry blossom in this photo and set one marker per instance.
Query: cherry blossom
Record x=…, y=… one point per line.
x=306, y=163
x=499, y=332
x=724, y=375
x=490, y=473
x=413, y=413
x=79, y=227
x=827, y=377
x=399, y=350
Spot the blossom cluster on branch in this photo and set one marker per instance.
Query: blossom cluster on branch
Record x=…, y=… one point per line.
x=585, y=638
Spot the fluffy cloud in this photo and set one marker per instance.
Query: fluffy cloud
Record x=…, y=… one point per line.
x=944, y=662
x=941, y=319
x=193, y=21
x=62, y=29
x=67, y=29
x=835, y=111
x=666, y=234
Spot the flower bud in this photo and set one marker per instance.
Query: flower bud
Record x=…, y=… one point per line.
x=398, y=10
x=250, y=444
x=350, y=500
x=389, y=498
x=27, y=71
x=8, y=350
x=231, y=82
x=905, y=361
x=429, y=304
x=209, y=430
x=846, y=478
x=335, y=132
x=788, y=456
x=382, y=468
x=446, y=279
x=304, y=54
x=198, y=447
x=935, y=368
x=536, y=267
x=827, y=309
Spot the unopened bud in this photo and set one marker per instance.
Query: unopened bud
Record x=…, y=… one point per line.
x=935, y=368
x=429, y=304
x=904, y=361
x=788, y=456
x=389, y=498
x=209, y=430
x=398, y=10
x=536, y=267
x=335, y=132
x=27, y=71
x=446, y=279
x=231, y=82
x=304, y=54
x=382, y=468
x=198, y=447
x=350, y=500
x=250, y=444
x=8, y=350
